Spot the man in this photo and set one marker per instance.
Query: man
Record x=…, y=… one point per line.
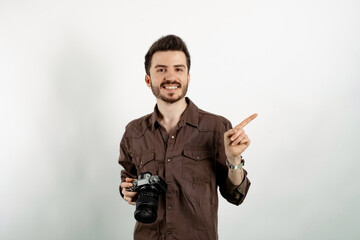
x=192, y=150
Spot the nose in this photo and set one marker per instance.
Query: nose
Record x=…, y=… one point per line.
x=170, y=75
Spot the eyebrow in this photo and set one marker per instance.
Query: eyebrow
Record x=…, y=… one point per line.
x=180, y=65
x=164, y=66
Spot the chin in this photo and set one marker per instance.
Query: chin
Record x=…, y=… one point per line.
x=171, y=99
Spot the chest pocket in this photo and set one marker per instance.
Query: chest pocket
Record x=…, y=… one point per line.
x=145, y=161
x=198, y=165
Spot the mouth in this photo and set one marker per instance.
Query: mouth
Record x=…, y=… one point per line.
x=172, y=86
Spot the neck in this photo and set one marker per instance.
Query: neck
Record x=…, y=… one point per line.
x=170, y=113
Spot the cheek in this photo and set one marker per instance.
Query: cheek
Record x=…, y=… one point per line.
x=183, y=75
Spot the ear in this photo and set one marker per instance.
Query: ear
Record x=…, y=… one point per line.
x=147, y=80
x=188, y=78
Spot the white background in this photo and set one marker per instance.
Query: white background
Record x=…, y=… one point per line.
x=72, y=77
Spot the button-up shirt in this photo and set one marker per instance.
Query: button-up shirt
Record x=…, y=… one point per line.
x=191, y=160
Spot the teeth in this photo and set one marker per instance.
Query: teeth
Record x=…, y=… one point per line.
x=171, y=87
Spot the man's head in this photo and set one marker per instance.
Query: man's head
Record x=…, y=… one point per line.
x=167, y=43
x=167, y=69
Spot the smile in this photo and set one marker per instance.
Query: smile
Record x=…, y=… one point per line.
x=171, y=87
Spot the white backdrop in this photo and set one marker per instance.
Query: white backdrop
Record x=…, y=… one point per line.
x=72, y=77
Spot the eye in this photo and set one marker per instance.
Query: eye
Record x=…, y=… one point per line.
x=160, y=70
x=179, y=69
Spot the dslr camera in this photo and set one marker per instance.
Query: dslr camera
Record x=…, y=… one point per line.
x=149, y=188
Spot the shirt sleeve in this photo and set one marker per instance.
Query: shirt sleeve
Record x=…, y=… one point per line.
x=125, y=160
x=234, y=194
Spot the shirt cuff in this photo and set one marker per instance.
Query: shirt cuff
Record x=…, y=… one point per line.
x=239, y=192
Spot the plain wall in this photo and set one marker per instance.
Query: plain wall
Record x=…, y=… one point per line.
x=72, y=77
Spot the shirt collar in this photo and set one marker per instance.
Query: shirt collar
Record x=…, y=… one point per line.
x=189, y=116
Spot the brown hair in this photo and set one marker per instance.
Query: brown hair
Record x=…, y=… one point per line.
x=167, y=43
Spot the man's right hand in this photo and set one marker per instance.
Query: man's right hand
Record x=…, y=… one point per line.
x=130, y=197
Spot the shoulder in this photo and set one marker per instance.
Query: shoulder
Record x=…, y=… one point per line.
x=137, y=127
x=213, y=122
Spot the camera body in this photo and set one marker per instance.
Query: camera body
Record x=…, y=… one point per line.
x=149, y=188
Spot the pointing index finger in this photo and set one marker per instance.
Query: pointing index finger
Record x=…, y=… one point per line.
x=246, y=121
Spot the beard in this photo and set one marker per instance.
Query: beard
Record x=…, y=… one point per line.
x=168, y=98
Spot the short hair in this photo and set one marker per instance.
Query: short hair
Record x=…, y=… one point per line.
x=166, y=43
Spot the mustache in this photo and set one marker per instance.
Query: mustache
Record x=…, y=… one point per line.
x=170, y=82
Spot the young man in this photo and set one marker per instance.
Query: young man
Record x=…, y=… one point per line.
x=192, y=150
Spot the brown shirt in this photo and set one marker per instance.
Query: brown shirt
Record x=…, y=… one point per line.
x=191, y=159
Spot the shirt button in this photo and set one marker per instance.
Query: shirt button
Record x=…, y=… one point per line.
x=169, y=232
x=169, y=208
x=172, y=137
x=169, y=160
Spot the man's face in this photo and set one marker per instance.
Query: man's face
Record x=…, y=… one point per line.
x=169, y=76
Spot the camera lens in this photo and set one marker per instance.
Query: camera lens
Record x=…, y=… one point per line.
x=146, y=205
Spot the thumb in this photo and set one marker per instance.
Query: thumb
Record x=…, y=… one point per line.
x=129, y=180
x=228, y=134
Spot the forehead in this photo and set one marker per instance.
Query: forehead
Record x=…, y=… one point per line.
x=168, y=58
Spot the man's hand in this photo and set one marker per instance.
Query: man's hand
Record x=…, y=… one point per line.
x=236, y=141
x=130, y=197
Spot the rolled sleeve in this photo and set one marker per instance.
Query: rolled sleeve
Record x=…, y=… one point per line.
x=236, y=194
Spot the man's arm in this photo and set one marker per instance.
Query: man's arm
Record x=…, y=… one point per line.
x=236, y=142
x=127, y=174
x=236, y=176
x=235, y=184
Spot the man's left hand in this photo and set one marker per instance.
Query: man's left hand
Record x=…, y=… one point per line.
x=236, y=141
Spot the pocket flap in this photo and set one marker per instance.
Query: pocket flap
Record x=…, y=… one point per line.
x=145, y=157
x=197, y=154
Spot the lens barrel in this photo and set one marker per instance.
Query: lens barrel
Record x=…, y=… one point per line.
x=147, y=205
